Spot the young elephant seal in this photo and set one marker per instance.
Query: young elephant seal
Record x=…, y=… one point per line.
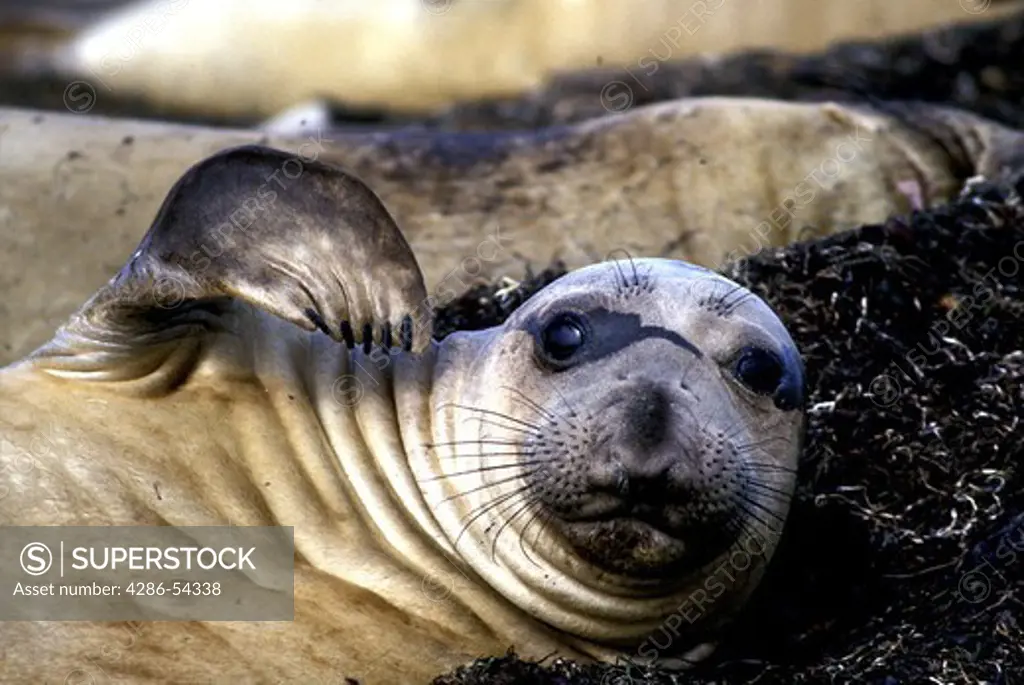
x=563, y=483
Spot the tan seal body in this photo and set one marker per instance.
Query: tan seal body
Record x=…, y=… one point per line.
x=423, y=54
x=697, y=179
x=563, y=483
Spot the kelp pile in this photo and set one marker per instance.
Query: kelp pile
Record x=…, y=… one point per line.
x=903, y=557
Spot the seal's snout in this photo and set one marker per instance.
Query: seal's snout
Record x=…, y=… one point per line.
x=657, y=416
x=650, y=434
x=655, y=486
x=639, y=453
x=646, y=419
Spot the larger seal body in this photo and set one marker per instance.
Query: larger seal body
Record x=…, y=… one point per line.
x=564, y=483
x=422, y=54
x=704, y=180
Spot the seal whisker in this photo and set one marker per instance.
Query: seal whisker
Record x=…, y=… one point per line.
x=760, y=520
x=485, y=486
x=478, y=441
x=636, y=276
x=764, y=486
x=524, y=507
x=760, y=534
x=714, y=300
x=739, y=428
x=621, y=284
x=774, y=438
x=486, y=507
x=532, y=403
x=731, y=308
x=481, y=455
x=492, y=412
x=471, y=514
x=522, y=534
x=753, y=514
x=484, y=454
x=733, y=432
x=572, y=412
x=481, y=469
x=721, y=302
x=771, y=497
x=737, y=527
x=734, y=526
x=491, y=422
x=617, y=263
x=632, y=264
x=768, y=467
x=755, y=503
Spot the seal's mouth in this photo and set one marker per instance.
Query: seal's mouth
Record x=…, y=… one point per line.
x=628, y=545
x=641, y=541
x=625, y=512
x=651, y=531
x=679, y=520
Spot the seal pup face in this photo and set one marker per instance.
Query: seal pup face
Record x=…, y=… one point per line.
x=656, y=414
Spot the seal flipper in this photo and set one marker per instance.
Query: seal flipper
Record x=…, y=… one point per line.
x=299, y=239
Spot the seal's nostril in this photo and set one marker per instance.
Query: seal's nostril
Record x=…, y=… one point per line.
x=637, y=477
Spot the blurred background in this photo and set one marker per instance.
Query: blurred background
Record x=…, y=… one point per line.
x=238, y=62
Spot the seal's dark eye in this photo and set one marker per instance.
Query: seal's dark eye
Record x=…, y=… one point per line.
x=759, y=370
x=562, y=337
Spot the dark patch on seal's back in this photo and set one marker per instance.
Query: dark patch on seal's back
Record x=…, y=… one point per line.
x=506, y=160
x=459, y=152
x=467, y=150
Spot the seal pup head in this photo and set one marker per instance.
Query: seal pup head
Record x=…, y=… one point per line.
x=646, y=414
